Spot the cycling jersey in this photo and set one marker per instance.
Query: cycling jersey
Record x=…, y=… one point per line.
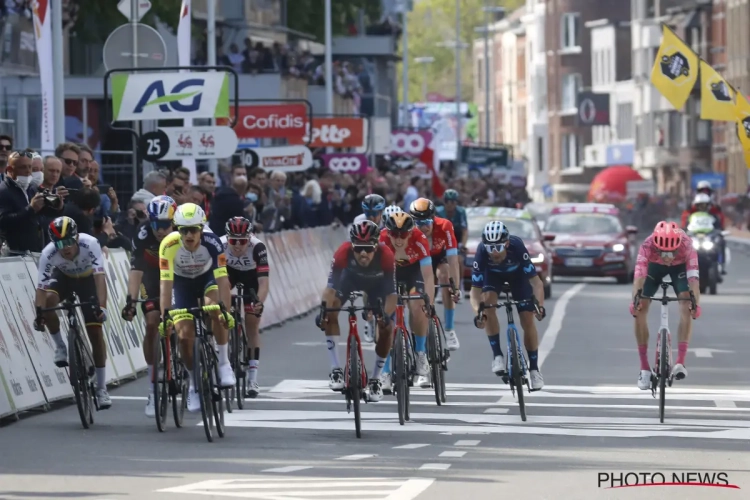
x=145, y=256
x=176, y=261
x=88, y=261
x=443, y=239
x=714, y=210
x=377, y=279
x=255, y=257
x=516, y=270
x=416, y=249
x=685, y=254
x=458, y=219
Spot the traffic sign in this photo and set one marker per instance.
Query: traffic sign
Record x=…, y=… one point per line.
x=200, y=142
x=125, y=8
x=151, y=50
x=153, y=146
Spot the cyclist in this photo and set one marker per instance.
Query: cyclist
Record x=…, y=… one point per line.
x=502, y=258
x=372, y=209
x=361, y=264
x=444, y=253
x=247, y=263
x=144, y=278
x=73, y=263
x=457, y=215
x=668, y=251
x=414, y=269
x=390, y=210
x=193, y=265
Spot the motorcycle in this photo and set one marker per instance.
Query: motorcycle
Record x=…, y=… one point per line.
x=707, y=243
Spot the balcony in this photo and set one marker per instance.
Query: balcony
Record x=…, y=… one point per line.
x=316, y=95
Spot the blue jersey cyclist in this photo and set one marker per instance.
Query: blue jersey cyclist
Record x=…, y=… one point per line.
x=501, y=258
x=457, y=215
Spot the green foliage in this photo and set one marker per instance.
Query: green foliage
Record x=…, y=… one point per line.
x=308, y=16
x=94, y=20
x=433, y=22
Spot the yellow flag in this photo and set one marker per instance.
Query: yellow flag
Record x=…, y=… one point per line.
x=717, y=96
x=675, y=69
x=742, y=116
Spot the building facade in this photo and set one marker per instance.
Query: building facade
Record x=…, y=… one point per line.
x=737, y=43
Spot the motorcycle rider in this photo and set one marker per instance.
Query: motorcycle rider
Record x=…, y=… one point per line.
x=704, y=203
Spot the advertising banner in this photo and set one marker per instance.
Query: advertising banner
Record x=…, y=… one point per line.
x=409, y=143
x=200, y=142
x=272, y=121
x=337, y=132
x=284, y=158
x=347, y=163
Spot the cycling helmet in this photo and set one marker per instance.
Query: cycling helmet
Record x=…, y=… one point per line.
x=704, y=187
x=63, y=228
x=238, y=227
x=422, y=209
x=667, y=236
x=161, y=208
x=373, y=203
x=400, y=221
x=495, y=232
x=450, y=195
x=701, y=199
x=390, y=210
x=189, y=214
x=364, y=233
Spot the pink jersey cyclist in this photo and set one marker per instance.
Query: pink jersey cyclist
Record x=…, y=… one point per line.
x=685, y=256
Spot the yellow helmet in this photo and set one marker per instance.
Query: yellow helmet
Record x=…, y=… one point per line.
x=189, y=214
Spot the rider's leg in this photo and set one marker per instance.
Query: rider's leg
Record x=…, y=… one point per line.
x=149, y=342
x=53, y=324
x=492, y=329
x=252, y=332
x=685, y=330
x=523, y=291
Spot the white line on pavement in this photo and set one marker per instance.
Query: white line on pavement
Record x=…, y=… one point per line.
x=452, y=454
x=555, y=323
x=435, y=467
x=467, y=442
x=723, y=403
x=355, y=457
x=290, y=468
x=412, y=446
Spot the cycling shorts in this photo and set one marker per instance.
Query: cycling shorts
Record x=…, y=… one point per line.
x=85, y=288
x=411, y=277
x=249, y=280
x=150, y=291
x=187, y=291
x=374, y=288
x=438, y=260
x=656, y=272
x=520, y=288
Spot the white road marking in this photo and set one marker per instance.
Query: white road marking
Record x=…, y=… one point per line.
x=412, y=446
x=702, y=352
x=555, y=323
x=290, y=468
x=435, y=467
x=467, y=442
x=723, y=404
x=452, y=454
x=355, y=457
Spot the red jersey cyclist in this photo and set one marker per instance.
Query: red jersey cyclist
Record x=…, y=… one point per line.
x=414, y=269
x=361, y=264
x=668, y=251
x=445, y=264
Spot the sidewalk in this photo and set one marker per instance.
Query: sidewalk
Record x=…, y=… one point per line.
x=740, y=233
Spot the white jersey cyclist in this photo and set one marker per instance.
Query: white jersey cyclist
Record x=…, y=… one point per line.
x=254, y=256
x=88, y=261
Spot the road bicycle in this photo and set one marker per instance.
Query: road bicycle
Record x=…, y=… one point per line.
x=238, y=347
x=517, y=368
x=437, y=354
x=81, y=370
x=662, y=377
x=205, y=365
x=355, y=374
x=403, y=356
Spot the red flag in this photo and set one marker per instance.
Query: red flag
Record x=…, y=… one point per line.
x=428, y=158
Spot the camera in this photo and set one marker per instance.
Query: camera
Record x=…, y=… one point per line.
x=50, y=198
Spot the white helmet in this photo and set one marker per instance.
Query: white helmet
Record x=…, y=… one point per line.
x=701, y=198
x=703, y=185
x=189, y=214
x=495, y=232
x=390, y=210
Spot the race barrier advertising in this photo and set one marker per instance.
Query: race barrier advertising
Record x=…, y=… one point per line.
x=299, y=262
x=346, y=163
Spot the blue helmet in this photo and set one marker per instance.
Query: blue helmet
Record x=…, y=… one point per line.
x=161, y=208
x=450, y=195
x=373, y=203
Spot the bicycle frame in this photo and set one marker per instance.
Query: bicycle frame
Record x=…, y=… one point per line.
x=512, y=330
x=354, y=332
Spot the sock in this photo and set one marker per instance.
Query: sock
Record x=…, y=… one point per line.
x=420, y=344
x=150, y=375
x=59, y=342
x=495, y=343
x=533, y=359
x=191, y=382
x=387, y=366
x=101, y=378
x=379, y=364
x=682, y=349
x=449, y=316
x=333, y=353
x=252, y=370
x=223, y=354
x=643, y=355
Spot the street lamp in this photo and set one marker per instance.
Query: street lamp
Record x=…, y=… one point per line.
x=424, y=61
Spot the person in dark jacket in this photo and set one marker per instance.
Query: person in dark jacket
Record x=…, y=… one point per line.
x=229, y=202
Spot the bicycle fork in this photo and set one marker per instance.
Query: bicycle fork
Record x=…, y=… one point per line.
x=521, y=358
x=664, y=327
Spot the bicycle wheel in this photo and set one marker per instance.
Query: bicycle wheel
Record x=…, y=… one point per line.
x=398, y=374
x=663, y=373
x=355, y=383
x=436, y=370
x=217, y=402
x=160, y=383
x=411, y=370
x=179, y=383
x=516, y=375
x=202, y=370
x=441, y=354
x=240, y=371
x=79, y=377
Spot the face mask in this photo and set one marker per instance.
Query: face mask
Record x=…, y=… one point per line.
x=37, y=178
x=23, y=181
x=241, y=176
x=252, y=197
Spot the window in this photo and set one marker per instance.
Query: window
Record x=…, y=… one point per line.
x=569, y=151
x=625, y=121
x=570, y=29
x=571, y=84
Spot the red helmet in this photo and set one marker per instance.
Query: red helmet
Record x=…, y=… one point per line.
x=364, y=233
x=238, y=227
x=667, y=236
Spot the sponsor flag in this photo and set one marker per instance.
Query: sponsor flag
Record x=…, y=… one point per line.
x=717, y=96
x=183, y=58
x=430, y=159
x=43, y=35
x=742, y=116
x=675, y=69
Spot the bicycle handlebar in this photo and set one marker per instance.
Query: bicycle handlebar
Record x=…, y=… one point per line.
x=250, y=293
x=451, y=284
x=67, y=306
x=194, y=310
x=507, y=303
x=664, y=299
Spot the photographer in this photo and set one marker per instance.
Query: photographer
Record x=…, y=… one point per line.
x=84, y=210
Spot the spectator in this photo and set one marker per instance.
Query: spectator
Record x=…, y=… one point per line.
x=315, y=211
x=229, y=201
x=134, y=216
x=52, y=172
x=20, y=225
x=252, y=199
x=207, y=183
x=412, y=192
x=6, y=146
x=196, y=195
x=37, y=170
x=278, y=207
x=69, y=154
x=154, y=184
x=110, y=206
x=235, y=57
x=81, y=209
x=177, y=188
x=85, y=157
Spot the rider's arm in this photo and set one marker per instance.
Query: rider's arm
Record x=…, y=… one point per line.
x=422, y=246
x=641, y=265
x=100, y=279
x=167, y=250
x=477, y=277
x=338, y=264
x=137, y=266
x=388, y=264
x=43, y=277
x=260, y=255
x=464, y=223
x=451, y=253
x=218, y=265
x=691, y=265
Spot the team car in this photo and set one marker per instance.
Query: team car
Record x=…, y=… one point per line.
x=520, y=223
x=588, y=239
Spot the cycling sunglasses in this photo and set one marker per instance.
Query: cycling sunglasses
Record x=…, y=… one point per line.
x=67, y=242
x=364, y=248
x=667, y=255
x=237, y=241
x=161, y=224
x=495, y=248
x=423, y=222
x=184, y=230
x=400, y=234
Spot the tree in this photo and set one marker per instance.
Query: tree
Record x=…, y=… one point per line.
x=433, y=22
x=308, y=16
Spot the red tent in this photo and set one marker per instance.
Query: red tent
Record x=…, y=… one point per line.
x=611, y=184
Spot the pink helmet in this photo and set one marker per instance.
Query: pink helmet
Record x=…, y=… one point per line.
x=667, y=236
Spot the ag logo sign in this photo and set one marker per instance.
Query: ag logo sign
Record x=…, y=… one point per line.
x=158, y=96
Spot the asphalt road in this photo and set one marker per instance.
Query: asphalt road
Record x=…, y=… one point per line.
x=297, y=441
